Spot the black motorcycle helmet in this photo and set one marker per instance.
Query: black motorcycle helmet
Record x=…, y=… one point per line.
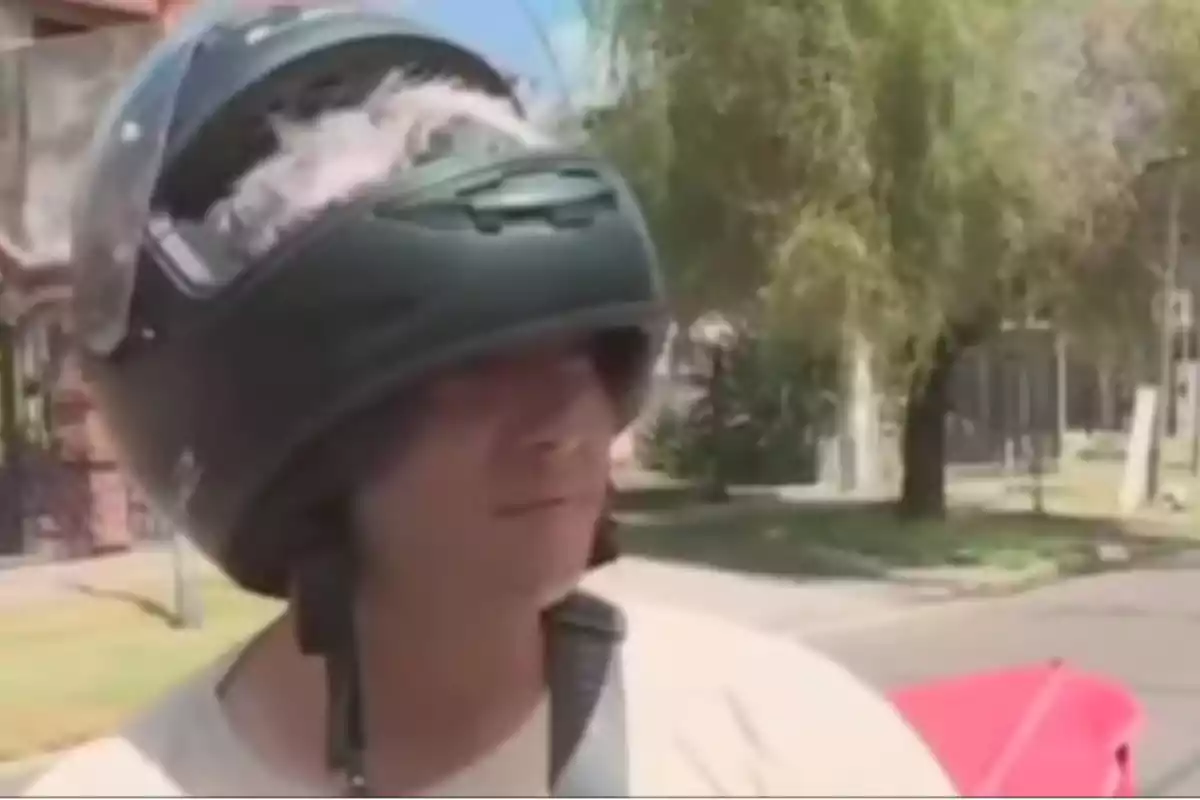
x=224, y=383
x=245, y=397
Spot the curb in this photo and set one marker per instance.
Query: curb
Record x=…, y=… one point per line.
x=936, y=589
x=954, y=600
x=1037, y=578
x=950, y=589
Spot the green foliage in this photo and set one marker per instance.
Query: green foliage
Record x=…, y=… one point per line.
x=925, y=168
x=732, y=119
x=774, y=401
x=912, y=170
x=1162, y=40
x=1148, y=51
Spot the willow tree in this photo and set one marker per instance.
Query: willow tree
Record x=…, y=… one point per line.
x=918, y=171
x=731, y=116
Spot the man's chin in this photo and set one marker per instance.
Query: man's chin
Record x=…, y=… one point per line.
x=553, y=595
x=537, y=588
x=547, y=552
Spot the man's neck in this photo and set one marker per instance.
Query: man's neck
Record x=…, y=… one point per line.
x=439, y=693
x=452, y=669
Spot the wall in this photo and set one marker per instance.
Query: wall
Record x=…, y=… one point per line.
x=54, y=90
x=14, y=28
x=69, y=83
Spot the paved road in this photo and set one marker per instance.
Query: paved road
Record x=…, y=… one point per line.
x=1142, y=627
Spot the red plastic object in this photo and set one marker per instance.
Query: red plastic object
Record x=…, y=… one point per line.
x=1044, y=730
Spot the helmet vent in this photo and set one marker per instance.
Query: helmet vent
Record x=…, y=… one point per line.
x=312, y=97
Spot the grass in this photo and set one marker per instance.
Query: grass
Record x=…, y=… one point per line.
x=77, y=667
x=867, y=539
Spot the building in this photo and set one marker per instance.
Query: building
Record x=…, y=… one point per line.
x=60, y=62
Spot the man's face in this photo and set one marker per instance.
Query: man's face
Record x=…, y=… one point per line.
x=494, y=491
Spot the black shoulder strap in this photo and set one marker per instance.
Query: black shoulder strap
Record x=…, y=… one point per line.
x=588, y=748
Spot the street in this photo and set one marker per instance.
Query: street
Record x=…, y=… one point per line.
x=1141, y=627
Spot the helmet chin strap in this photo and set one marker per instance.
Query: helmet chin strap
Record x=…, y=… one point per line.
x=323, y=592
x=604, y=546
x=322, y=597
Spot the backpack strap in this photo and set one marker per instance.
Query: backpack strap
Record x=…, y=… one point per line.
x=588, y=746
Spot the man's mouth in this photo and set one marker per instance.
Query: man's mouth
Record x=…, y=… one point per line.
x=529, y=506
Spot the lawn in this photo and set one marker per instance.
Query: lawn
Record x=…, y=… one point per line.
x=77, y=667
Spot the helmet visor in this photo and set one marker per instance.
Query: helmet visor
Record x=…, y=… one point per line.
x=114, y=177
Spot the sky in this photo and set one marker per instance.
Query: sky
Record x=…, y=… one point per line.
x=506, y=32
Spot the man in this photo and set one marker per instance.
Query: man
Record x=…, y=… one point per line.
x=375, y=362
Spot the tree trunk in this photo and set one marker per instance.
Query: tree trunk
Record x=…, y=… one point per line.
x=858, y=412
x=12, y=539
x=923, y=491
x=1108, y=402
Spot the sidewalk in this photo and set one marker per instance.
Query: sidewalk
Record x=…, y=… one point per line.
x=775, y=604
x=785, y=605
x=793, y=607
x=22, y=583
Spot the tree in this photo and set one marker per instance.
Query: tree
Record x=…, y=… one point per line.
x=11, y=533
x=920, y=170
x=770, y=126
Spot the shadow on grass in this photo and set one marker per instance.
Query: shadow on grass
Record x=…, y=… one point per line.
x=142, y=603
x=867, y=540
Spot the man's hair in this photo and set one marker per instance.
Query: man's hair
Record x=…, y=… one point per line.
x=340, y=154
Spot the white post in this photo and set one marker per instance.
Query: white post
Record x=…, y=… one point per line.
x=1061, y=389
x=1166, y=389
x=189, y=599
x=864, y=415
x=1139, y=455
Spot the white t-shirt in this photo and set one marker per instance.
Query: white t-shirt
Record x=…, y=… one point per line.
x=712, y=709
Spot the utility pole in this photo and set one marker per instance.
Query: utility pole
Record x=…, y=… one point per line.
x=1061, y=394
x=1166, y=389
x=189, y=597
x=1194, y=385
